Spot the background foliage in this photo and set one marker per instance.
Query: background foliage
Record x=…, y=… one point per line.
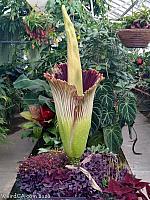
x=114, y=103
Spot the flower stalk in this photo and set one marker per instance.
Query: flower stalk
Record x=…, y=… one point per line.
x=73, y=92
x=73, y=57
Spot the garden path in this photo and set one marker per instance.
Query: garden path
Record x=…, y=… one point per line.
x=139, y=164
x=10, y=154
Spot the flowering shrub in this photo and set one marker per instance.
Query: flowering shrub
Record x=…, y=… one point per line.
x=139, y=61
x=38, y=26
x=40, y=118
x=46, y=174
x=42, y=114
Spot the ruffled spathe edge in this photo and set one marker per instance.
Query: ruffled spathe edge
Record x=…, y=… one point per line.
x=90, y=79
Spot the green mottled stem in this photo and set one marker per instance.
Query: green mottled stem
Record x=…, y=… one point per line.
x=74, y=161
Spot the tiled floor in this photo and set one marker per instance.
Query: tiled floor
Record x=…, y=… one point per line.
x=12, y=152
x=140, y=164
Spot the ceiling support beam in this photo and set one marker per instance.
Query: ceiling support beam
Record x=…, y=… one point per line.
x=133, y=4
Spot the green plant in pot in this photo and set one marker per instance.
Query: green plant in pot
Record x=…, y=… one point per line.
x=138, y=20
x=39, y=27
x=136, y=29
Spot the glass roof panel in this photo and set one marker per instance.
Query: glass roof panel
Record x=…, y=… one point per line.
x=119, y=8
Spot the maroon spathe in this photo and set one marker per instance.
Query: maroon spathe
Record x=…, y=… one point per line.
x=89, y=77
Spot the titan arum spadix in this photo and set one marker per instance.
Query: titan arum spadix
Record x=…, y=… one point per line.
x=73, y=92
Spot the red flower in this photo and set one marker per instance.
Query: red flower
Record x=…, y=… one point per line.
x=45, y=114
x=139, y=61
x=41, y=114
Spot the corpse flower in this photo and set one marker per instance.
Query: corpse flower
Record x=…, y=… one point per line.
x=73, y=92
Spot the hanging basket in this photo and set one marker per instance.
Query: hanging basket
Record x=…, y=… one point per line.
x=39, y=34
x=134, y=38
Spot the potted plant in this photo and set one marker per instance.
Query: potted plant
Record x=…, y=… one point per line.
x=39, y=27
x=73, y=172
x=136, y=29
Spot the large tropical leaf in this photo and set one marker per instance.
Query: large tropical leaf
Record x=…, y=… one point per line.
x=108, y=116
x=113, y=137
x=24, y=82
x=96, y=139
x=104, y=87
x=47, y=101
x=127, y=109
x=107, y=100
x=96, y=116
x=28, y=125
x=30, y=98
x=103, y=107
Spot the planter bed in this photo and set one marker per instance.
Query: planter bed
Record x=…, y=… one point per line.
x=17, y=194
x=134, y=38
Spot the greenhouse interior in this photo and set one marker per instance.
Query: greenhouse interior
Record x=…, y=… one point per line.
x=74, y=99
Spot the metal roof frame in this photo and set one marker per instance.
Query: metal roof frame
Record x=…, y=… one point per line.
x=120, y=8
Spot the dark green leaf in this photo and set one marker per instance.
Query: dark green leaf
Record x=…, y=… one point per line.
x=47, y=101
x=108, y=116
x=107, y=100
x=48, y=140
x=96, y=116
x=37, y=131
x=127, y=109
x=30, y=99
x=113, y=137
x=96, y=139
x=26, y=133
x=28, y=125
x=105, y=87
x=25, y=83
x=51, y=141
x=53, y=130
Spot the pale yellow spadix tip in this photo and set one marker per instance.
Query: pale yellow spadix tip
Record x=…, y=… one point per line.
x=73, y=57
